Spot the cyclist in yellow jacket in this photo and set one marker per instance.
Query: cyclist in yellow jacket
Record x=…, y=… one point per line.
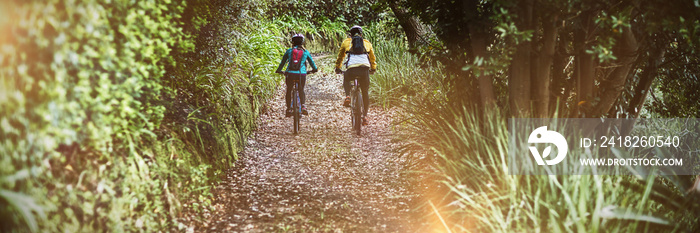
x=360, y=63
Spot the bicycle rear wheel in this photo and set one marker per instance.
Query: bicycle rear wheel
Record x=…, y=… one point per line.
x=297, y=111
x=353, y=117
x=357, y=111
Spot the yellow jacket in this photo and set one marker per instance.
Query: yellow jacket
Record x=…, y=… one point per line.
x=346, y=45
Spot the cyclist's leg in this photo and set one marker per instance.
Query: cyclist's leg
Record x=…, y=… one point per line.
x=347, y=77
x=288, y=96
x=363, y=80
x=302, y=83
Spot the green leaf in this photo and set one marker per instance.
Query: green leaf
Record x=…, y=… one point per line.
x=614, y=212
x=25, y=205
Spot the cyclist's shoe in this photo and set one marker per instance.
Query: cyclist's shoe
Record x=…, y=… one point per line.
x=289, y=112
x=365, y=121
x=303, y=110
x=347, y=101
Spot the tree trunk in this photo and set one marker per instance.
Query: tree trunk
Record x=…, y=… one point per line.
x=519, y=78
x=478, y=44
x=645, y=80
x=614, y=83
x=478, y=39
x=585, y=67
x=643, y=87
x=587, y=78
x=559, y=86
x=541, y=80
x=410, y=25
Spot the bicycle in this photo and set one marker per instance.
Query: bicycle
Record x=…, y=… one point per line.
x=355, y=106
x=296, y=106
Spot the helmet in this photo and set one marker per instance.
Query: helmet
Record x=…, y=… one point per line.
x=297, y=39
x=355, y=29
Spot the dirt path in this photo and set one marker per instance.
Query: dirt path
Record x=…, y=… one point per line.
x=325, y=179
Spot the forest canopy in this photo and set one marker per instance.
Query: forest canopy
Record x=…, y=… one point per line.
x=569, y=58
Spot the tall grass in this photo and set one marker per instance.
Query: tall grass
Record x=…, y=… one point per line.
x=400, y=74
x=470, y=150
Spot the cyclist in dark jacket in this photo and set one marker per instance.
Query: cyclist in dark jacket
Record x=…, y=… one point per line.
x=293, y=74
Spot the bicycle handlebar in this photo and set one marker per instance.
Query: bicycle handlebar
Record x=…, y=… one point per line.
x=285, y=72
x=343, y=72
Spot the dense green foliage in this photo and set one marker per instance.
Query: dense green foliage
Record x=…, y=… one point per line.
x=503, y=42
x=674, y=92
x=352, y=12
x=117, y=114
x=588, y=59
x=452, y=122
x=120, y=114
x=402, y=76
x=80, y=85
